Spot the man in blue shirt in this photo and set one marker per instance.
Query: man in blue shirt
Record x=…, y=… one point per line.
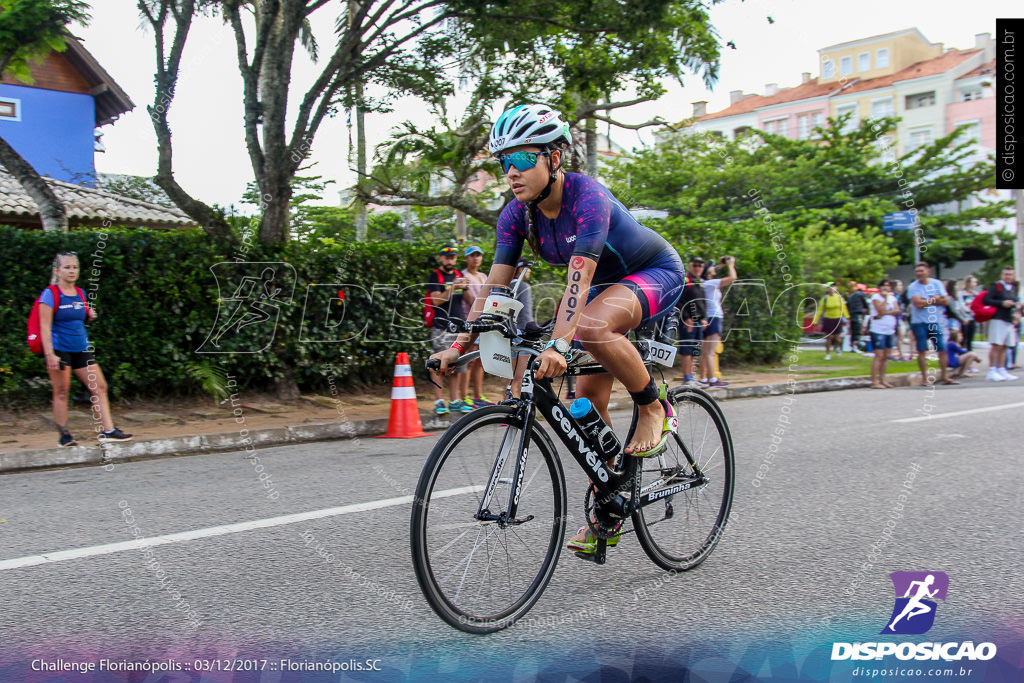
x=928, y=301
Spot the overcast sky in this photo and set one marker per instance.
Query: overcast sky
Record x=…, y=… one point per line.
x=210, y=157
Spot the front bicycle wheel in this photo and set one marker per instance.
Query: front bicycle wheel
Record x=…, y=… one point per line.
x=689, y=486
x=481, y=576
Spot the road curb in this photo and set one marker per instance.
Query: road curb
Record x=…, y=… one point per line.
x=112, y=453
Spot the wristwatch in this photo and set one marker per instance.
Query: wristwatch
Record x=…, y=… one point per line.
x=560, y=345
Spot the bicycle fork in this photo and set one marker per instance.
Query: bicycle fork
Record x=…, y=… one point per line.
x=507, y=517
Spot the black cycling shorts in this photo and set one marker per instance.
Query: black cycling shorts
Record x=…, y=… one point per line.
x=76, y=360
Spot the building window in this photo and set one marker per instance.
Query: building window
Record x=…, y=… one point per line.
x=921, y=99
x=970, y=94
x=851, y=109
x=10, y=109
x=864, y=61
x=803, y=126
x=778, y=126
x=817, y=120
x=919, y=138
x=845, y=66
x=828, y=69
x=973, y=133
x=882, y=58
x=739, y=132
x=882, y=107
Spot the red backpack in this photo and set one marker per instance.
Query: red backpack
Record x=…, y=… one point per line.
x=35, y=339
x=983, y=313
x=428, y=308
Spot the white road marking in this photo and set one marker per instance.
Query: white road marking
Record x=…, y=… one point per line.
x=77, y=553
x=956, y=413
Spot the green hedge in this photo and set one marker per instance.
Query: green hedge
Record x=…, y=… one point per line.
x=157, y=298
x=162, y=297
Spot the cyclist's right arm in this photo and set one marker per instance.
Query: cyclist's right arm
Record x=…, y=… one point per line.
x=501, y=275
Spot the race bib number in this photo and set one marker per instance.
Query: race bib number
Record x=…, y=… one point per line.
x=663, y=354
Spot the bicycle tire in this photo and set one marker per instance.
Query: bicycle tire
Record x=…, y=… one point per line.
x=466, y=568
x=679, y=537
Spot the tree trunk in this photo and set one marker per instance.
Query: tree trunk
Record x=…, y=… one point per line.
x=590, y=138
x=360, y=165
x=51, y=209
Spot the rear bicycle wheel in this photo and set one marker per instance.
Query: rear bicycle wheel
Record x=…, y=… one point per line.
x=690, y=485
x=481, y=576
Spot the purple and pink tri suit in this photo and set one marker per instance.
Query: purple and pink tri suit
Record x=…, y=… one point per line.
x=594, y=224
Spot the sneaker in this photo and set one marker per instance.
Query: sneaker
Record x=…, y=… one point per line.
x=114, y=434
x=481, y=402
x=440, y=408
x=688, y=379
x=1005, y=375
x=973, y=370
x=994, y=376
x=570, y=396
x=839, y=352
x=828, y=356
x=460, y=406
x=67, y=440
x=717, y=383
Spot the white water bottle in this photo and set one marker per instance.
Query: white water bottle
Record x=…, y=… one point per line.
x=495, y=348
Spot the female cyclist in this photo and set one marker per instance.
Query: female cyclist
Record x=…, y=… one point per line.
x=621, y=274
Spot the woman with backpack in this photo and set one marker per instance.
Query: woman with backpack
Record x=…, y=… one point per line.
x=63, y=313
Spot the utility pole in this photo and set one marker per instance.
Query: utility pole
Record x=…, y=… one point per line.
x=360, y=205
x=1018, y=245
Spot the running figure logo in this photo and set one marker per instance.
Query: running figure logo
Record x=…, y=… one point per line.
x=916, y=595
x=247, y=318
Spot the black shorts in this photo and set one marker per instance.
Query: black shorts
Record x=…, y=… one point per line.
x=75, y=359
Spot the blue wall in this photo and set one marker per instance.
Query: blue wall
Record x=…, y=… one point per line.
x=55, y=133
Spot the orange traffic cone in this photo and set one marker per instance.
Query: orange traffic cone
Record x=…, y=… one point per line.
x=404, y=422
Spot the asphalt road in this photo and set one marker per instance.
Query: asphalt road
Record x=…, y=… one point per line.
x=804, y=562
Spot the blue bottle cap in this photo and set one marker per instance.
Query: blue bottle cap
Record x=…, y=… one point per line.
x=580, y=407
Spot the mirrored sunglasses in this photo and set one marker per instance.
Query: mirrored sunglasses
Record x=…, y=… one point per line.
x=523, y=161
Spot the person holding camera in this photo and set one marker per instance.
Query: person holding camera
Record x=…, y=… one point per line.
x=713, y=332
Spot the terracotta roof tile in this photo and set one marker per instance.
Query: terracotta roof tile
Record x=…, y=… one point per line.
x=928, y=67
x=983, y=70
x=86, y=206
x=813, y=88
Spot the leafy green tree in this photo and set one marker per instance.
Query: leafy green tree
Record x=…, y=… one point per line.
x=577, y=56
x=30, y=29
x=846, y=254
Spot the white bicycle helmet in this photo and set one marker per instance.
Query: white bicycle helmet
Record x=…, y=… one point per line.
x=528, y=124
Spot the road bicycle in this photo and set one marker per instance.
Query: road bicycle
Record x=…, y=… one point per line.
x=490, y=510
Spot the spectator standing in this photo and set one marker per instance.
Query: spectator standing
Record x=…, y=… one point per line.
x=885, y=315
x=832, y=313
x=66, y=349
x=928, y=301
x=857, y=305
x=713, y=333
x=902, y=323
x=474, y=256
x=693, y=315
x=445, y=287
x=966, y=295
x=1001, y=331
x=960, y=359
x=955, y=315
